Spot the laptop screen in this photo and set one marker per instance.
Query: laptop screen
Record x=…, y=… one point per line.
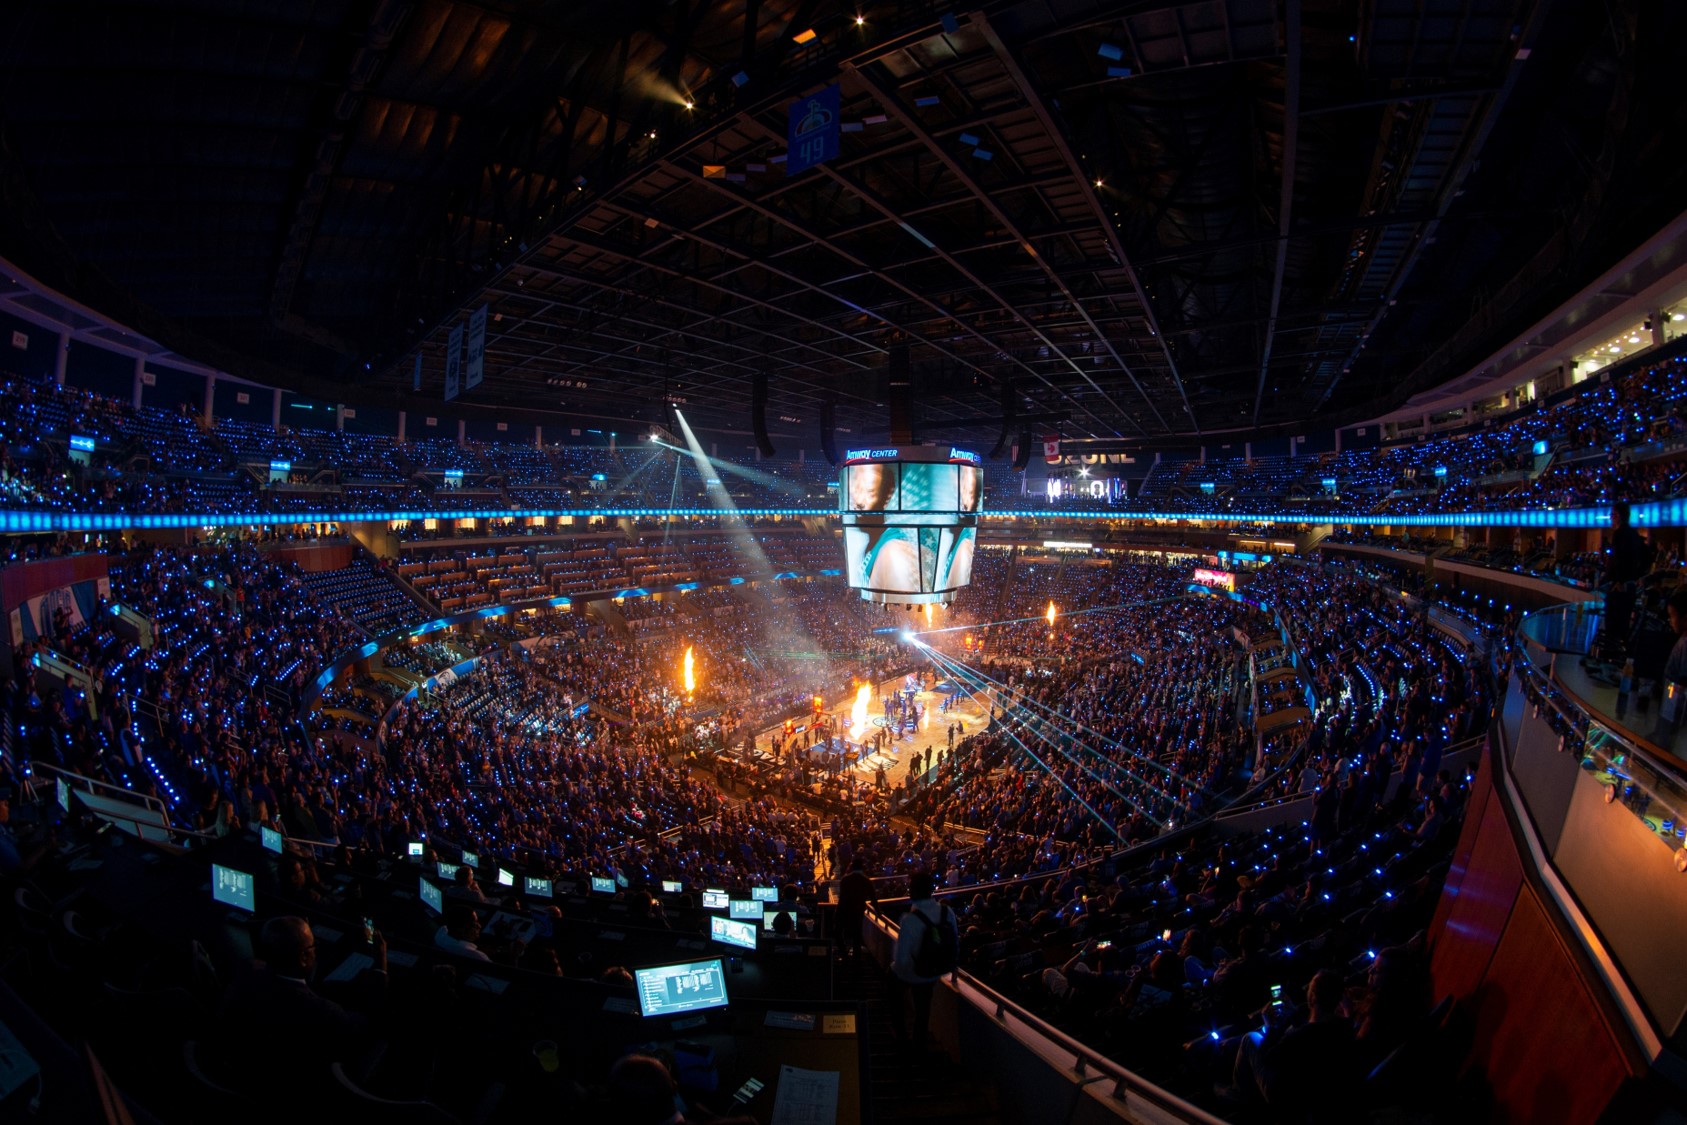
x=670, y=990
x=233, y=888
x=741, y=934
x=433, y=897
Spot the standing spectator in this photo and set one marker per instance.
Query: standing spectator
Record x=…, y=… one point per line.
x=854, y=893
x=927, y=948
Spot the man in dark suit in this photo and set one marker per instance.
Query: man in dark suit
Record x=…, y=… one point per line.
x=283, y=1034
x=854, y=893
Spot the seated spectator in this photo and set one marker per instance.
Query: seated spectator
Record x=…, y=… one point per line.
x=465, y=886
x=16, y=858
x=1308, y=1072
x=642, y=1091
x=462, y=927
x=288, y=1033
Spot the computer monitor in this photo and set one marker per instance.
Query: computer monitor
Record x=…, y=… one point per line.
x=769, y=915
x=742, y=908
x=671, y=990
x=725, y=930
x=470, y=860
x=506, y=878
x=271, y=838
x=603, y=885
x=432, y=897
x=63, y=788
x=414, y=849
x=765, y=894
x=671, y=886
x=446, y=870
x=538, y=886
x=233, y=888
x=715, y=900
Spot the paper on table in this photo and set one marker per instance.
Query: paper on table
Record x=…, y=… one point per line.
x=806, y=1097
x=841, y=1023
x=350, y=967
x=795, y=1021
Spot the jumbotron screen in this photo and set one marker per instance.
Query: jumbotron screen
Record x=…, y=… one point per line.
x=910, y=516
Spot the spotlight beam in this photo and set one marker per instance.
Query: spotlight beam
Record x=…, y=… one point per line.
x=963, y=673
x=968, y=670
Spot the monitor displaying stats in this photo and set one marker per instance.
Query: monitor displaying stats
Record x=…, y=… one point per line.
x=538, y=886
x=432, y=897
x=741, y=908
x=715, y=900
x=271, y=838
x=671, y=990
x=765, y=894
x=602, y=885
x=728, y=932
x=233, y=888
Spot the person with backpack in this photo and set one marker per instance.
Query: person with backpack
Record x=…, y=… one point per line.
x=927, y=950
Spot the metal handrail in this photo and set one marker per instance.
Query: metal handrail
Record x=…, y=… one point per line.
x=1126, y=1082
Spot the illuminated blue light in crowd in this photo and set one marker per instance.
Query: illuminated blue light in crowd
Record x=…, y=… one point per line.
x=1660, y=513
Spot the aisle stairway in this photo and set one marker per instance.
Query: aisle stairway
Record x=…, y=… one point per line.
x=904, y=1085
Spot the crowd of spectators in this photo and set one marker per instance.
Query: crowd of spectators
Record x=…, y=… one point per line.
x=1616, y=440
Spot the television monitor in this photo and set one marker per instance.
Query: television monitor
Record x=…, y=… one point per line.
x=470, y=860
x=63, y=788
x=446, y=870
x=603, y=885
x=769, y=915
x=414, y=849
x=765, y=894
x=725, y=930
x=742, y=908
x=910, y=517
x=716, y=900
x=670, y=886
x=432, y=897
x=538, y=886
x=506, y=878
x=272, y=839
x=233, y=888
x=671, y=990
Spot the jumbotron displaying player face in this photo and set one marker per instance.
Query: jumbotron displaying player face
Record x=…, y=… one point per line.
x=871, y=487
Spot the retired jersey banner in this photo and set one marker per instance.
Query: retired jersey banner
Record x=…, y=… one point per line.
x=453, y=363
x=475, y=370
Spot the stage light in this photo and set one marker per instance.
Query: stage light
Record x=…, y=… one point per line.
x=689, y=104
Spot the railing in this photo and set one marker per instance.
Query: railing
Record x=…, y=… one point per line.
x=1052, y=1048
x=1598, y=779
x=144, y=817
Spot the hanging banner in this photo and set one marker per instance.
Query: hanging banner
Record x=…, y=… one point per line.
x=475, y=370
x=1051, y=451
x=453, y=363
x=812, y=131
x=416, y=375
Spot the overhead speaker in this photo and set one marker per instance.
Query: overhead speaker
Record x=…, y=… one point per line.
x=1022, y=457
x=758, y=414
x=1010, y=405
x=828, y=431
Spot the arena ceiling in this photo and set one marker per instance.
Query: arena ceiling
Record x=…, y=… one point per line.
x=1135, y=220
